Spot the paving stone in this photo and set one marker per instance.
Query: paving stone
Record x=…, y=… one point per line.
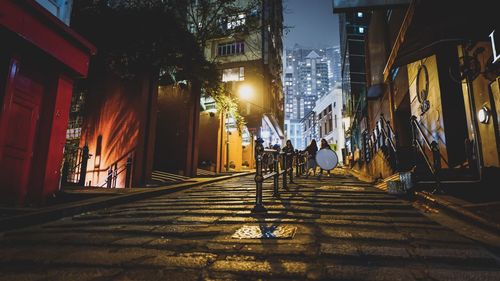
x=376, y=273
x=81, y=274
x=157, y=274
x=450, y=253
x=98, y=257
x=384, y=251
x=23, y=276
x=342, y=234
x=188, y=260
x=133, y=241
x=288, y=268
x=463, y=275
x=279, y=249
x=340, y=248
x=197, y=219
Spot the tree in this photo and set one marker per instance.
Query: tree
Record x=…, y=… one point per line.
x=167, y=39
x=148, y=35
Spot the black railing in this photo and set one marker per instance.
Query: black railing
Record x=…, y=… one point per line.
x=381, y=138
x=286, y=158
x=420, y=143
x=389, y=142
x=300, y=159
x=75, y=174
x=114, y=170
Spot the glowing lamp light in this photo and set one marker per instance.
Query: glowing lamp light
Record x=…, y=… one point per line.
x=246, y=92
x=483, y=115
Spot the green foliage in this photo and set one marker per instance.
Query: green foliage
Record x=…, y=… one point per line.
x=227, y=104
x=137, y=35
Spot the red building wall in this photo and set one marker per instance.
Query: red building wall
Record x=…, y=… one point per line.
x=40, y=58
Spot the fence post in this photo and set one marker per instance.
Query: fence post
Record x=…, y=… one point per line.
x=64, y=174
x=115, y=175
x=436, y=158
x=259, y=150
x=413, y=119
x=276, y=175
x=128, y=172
x=296, y=157
x=83, y=166
x=110, y=177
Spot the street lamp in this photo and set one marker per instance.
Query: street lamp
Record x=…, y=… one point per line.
x=245, y=92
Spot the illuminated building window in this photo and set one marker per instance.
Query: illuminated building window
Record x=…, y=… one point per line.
x=360, y=14
x=233, y=74
x=231, y=49
x=235, y=21
x=361, y=30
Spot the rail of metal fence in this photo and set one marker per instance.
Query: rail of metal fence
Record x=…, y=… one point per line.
x=269, y=160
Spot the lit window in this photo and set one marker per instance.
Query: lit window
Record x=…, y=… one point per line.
x=233, y=74
x=235, y=21
x=361, y=30
x=360, y=14
x=231, y=49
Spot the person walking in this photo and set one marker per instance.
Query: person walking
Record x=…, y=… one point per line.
x=324, y=145
x=311, y=157
x=289, y=151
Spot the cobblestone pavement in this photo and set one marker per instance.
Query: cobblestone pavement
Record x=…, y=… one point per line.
x=346, y=230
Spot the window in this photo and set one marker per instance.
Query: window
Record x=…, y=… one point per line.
x=231, y=49
x=235, y=21
x=361, y=29
x=233, y=74
x=360, y=14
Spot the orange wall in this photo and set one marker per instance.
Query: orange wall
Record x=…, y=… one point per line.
x=117, y=111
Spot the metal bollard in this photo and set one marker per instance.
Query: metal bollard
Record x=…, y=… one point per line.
x=115, y=175
x=276, y=176
x=128, y=172
x=65, y=173
x=285, y=185
x=259, y=150
x=436, y=158
x=110, y=177
x=297, y=172
x=83, y=167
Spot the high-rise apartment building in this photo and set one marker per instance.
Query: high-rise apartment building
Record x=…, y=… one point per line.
x=310, y=75
x=334, y=66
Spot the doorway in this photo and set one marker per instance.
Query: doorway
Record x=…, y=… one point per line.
x=402, y=117
x=18, y=130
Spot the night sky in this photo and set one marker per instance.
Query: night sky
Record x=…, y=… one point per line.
x=314, y=24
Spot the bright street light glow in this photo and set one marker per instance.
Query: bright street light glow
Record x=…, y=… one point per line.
x=246, y=92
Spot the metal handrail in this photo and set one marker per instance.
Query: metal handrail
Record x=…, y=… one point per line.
x=390, y=132
x=435, y=167
x=427, y=143
x=113, y=173
x=419, y=145
x=260, y=151
x=422, y=134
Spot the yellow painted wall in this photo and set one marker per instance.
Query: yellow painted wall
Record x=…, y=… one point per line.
x=248, y=154
x=431, y=121
x=481, y=88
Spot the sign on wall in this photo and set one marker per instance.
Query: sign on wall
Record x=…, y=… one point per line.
x=496, y=53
